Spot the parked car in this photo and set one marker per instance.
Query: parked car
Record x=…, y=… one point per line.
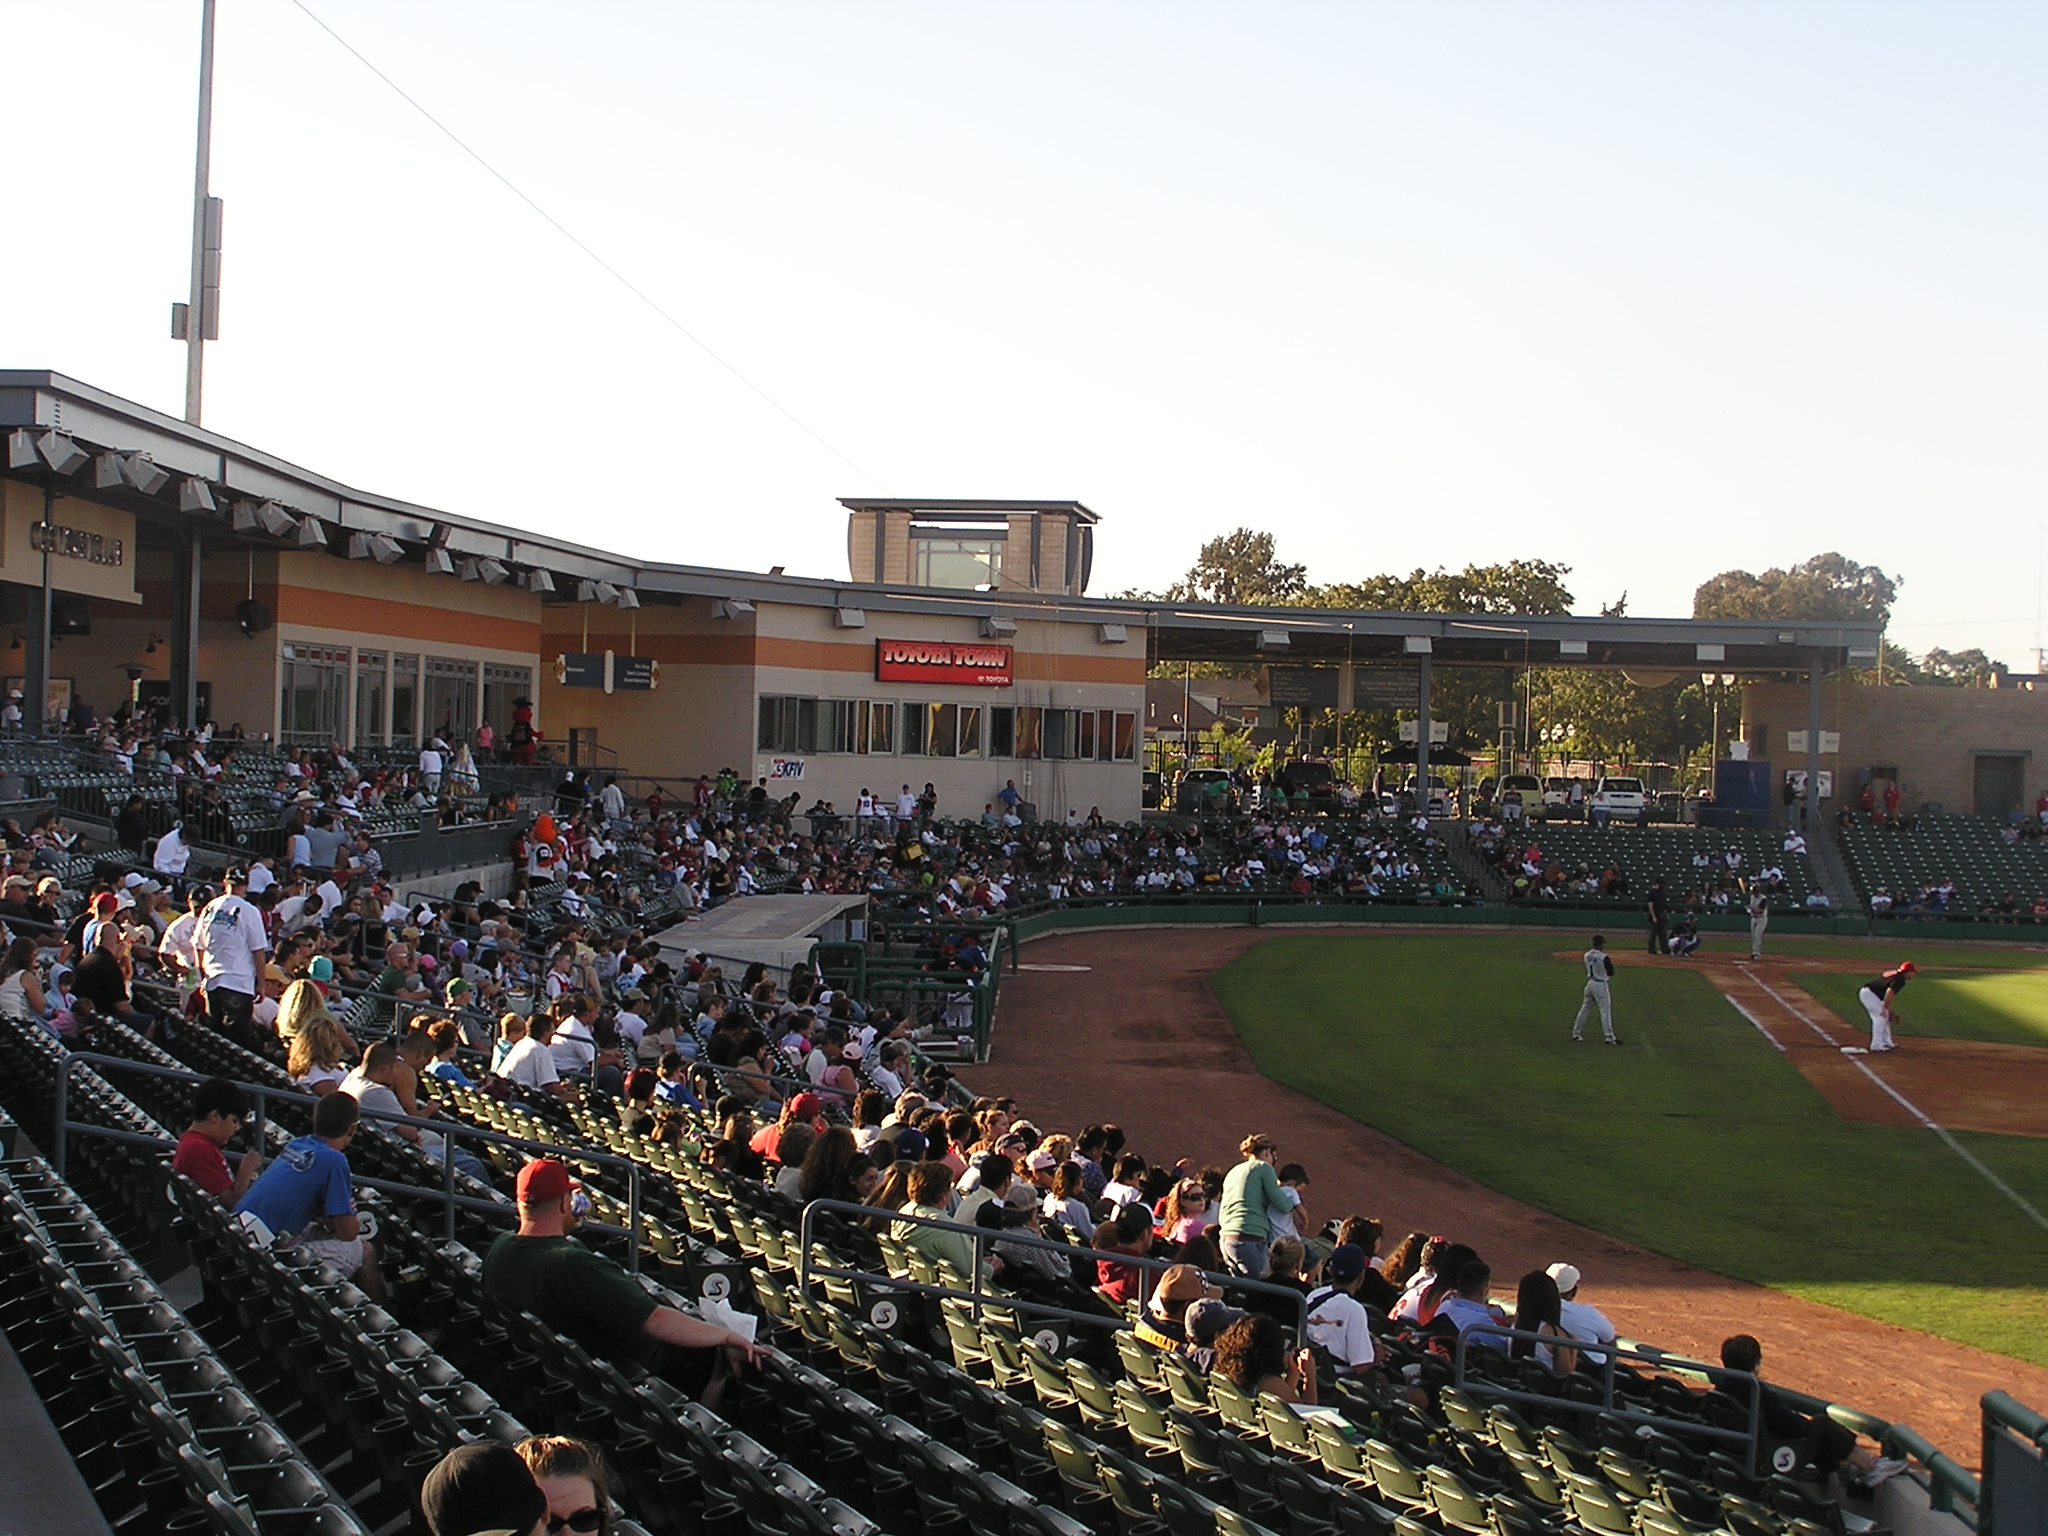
x=1622, y=799
x=1205, y=791
x=1527, y=790
x=1557, y=796
x=1312, y=775
x=1151, y=786
x=1439, y=799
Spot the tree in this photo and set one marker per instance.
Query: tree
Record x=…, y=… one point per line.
x=1960, y=669
x=1240, y=568
x=1826, y=587
x=1515, y=586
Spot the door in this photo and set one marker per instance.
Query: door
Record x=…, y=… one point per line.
x=2000, y=781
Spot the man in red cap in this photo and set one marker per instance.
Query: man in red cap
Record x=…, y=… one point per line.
x=543, y=1270
x=806, y=1107
x=1878, y=999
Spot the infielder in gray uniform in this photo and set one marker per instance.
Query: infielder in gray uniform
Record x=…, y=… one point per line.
x=1759, y=920
x=1599, y=968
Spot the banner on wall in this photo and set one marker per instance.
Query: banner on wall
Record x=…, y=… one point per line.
x=942, y=661
x=579, y=669
x=785, y=768
x=635, y=674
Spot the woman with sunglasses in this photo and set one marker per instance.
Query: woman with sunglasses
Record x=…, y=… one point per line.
x=571, y=1473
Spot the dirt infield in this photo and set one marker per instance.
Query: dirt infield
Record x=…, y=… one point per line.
x=1123, y=1026
x=1965, y=1085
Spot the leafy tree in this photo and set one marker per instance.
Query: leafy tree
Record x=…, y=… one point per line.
x=1829, y=586
x=1239, y=567
x=1960, y=669
x=1515, y=586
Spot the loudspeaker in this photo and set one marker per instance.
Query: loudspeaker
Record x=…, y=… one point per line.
x=253, y=616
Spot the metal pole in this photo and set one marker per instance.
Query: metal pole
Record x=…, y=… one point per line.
x=1422, y=735
x=448, y=1188
x=63, y=1113
x=256, y=1117
x=190, y=703
x=633, y=1218
x=36, y=707
x=195, y=316
x=1813, y=746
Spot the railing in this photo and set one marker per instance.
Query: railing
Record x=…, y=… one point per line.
x=1749, y=1438
x=1003, y=1302
x=2014, y=1500
x=63, y=1127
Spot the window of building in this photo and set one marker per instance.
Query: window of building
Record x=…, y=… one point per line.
x=370, y=682
x=314, y=703
x=405, y=700
x=1002, y=731
x=942, y=732
x=915, y=719
x=1126, y=738
x=451, y=698
x=504, y=687
x=957, y=560
x=1030, y=731
x=970, y=730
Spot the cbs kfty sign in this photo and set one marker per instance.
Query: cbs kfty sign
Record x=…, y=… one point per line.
x=942, y=661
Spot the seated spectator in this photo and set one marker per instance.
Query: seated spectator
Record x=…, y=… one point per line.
x=571, y=1473
x=483, y=1487
x=1468, y=1309
x=1203, y=1321
x=1129, y=1232
x=1585, y=1323
x=446, y=1036
x=1336, y=1317
x=1251, y=1354
x=1066, y=1202
x=1018, y=1212
x=1374, y=1289
x=1819, y=1439
x=1537, y=1311
x=306, y=1197
x=1162, y=1324
x=930, y=1185
x=530, y=1062
x=541, y=1268
x=318, y=1059
x=1185, y=1212
x=218, y=1110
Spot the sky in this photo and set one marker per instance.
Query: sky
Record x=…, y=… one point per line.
x=1651, y=290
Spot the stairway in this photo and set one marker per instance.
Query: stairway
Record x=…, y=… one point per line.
x=1830, y=871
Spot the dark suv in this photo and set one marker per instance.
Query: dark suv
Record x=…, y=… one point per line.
x=1314, y=777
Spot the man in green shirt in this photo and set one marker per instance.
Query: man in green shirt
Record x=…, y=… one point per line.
x=1252, y=1197
x=543, y=1270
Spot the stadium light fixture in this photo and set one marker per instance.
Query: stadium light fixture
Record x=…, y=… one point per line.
x=62, y=455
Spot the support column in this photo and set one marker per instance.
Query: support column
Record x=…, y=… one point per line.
x=1813, y=678
x=185, y=577
x=1422, y=735
x=36, y=674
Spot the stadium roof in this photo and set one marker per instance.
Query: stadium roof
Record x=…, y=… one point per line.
x=229, y=472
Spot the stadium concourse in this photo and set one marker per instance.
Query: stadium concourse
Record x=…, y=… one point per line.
x=386, y=1078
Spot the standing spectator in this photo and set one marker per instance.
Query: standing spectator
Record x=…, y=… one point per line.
x=232, y=947
x=1252, y=1197
x=171, y=854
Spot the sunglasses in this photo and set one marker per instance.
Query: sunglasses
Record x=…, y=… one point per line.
x=583, y=1520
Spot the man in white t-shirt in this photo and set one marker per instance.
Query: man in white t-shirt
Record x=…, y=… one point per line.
x=430, y=764
x=1336, y=1317
x=232, y=949
x=531, y=1062
x=574, y=1047
x=171, y=854
x=179, y=947
x=1586, y=1323
x=906, y=807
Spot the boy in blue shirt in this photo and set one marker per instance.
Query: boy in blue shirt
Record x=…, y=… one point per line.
x=307, y=1200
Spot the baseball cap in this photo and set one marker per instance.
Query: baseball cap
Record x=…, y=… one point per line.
x=912, y=1145
x=1346, y=1263
x=1206, y=1318
x=481, y=1488
x=1179, y=1285
x=1041, y=1160
x=851, y=1051
x=805, y=1106
x=458, y=986
x=640, y=1083
x=106, y=902
x=236, y=875
x=543, y=1181
x=1022, y=1196
x=1565, y=1275
x=1909, y=968
x=322, y=968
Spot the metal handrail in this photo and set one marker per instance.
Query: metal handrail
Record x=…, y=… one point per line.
x=1750, y=1438
x=980, y=1298
x=447, y=1130
x=2006, y=1419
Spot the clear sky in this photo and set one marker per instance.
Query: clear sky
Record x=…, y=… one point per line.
x=1654, y=290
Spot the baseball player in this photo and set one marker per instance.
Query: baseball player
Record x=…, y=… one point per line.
x=1759, y=920
x=1876, y=998
x=1599, y=968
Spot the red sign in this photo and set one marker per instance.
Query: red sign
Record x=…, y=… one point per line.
x=941, y=661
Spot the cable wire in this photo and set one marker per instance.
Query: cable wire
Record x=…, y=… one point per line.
x=567, y=234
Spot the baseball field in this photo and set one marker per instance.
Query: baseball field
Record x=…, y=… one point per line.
x=1731, y=1130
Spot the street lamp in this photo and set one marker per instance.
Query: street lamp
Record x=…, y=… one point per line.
x=1708, y=680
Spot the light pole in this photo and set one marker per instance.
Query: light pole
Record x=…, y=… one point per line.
x=196, y=321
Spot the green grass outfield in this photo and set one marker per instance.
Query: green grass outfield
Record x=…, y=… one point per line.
x=1695, y=1140
x=2006, y=1007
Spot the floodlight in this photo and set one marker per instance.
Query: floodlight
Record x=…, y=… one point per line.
x=1274, y=640
x=144, y=474
x=849, y=618
x=359, y=546
x=61, y=454
x=1112, y=634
